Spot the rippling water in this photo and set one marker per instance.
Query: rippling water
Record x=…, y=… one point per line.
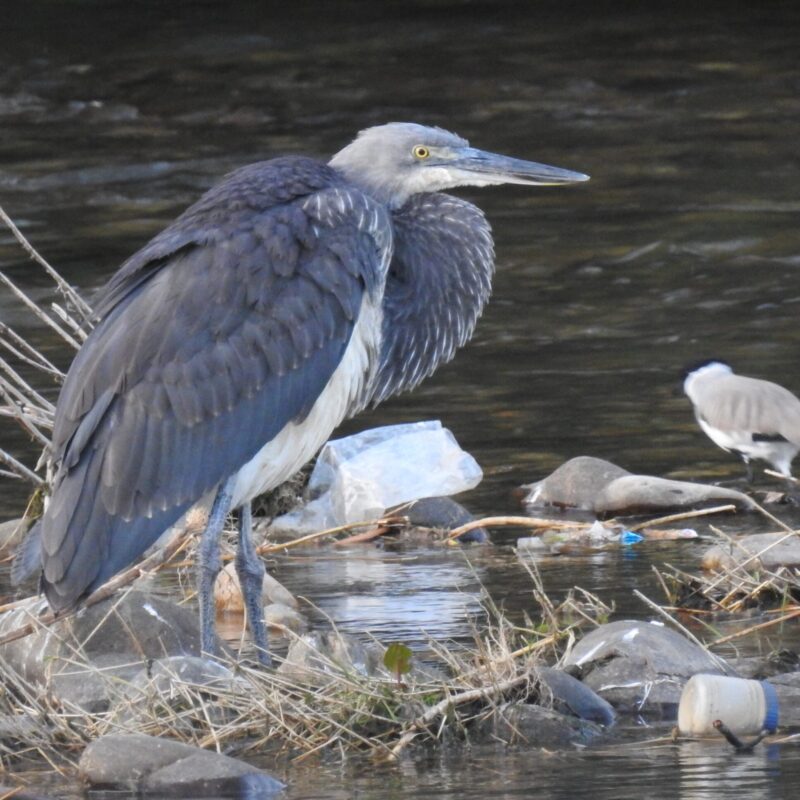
x=114, y=116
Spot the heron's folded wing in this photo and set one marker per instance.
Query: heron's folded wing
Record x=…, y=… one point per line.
x=197, y=366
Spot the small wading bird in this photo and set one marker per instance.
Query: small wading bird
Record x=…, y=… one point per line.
x=226, y=351
x=754, y=418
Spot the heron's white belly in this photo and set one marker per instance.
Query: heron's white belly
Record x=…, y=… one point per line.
x=342, y=396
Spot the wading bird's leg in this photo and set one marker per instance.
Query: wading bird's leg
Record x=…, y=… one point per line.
x=250, y=569
x=209, y=565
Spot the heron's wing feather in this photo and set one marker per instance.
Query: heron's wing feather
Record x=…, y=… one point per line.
x=739, y=403
x=438, y=283
x=195, y=367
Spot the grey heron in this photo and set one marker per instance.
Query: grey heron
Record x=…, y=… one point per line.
x=754, y=418
x=226, y=350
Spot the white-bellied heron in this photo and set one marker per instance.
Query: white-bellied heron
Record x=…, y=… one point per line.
x=753, y=418
x=289, y=297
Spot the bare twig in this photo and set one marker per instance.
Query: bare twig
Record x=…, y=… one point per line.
x=20, y=469
x=702, y=512
x=26, y=352
x=69, y=293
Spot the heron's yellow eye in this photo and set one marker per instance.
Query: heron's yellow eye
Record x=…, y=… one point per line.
x=420, y=151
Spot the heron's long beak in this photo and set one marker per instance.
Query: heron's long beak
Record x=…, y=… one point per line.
x=482, y=168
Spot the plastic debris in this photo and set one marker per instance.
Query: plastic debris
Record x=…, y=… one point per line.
x=357, y=478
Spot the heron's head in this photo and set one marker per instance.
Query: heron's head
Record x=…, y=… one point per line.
x=399, y=159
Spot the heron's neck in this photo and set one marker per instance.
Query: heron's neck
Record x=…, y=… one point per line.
x=371, y=176
x=438, y=283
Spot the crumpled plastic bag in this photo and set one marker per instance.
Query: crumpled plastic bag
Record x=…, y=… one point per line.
x=357, y=478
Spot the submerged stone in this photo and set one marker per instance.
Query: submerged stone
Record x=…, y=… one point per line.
x=442, y=513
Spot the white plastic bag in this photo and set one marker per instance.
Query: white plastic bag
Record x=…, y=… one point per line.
x=357, y=478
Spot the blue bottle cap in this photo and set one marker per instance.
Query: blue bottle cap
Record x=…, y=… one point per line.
x=771, y=703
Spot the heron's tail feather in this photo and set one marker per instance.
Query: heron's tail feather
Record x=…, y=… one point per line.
x=28, y=558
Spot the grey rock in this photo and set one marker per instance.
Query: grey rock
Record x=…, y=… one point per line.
x=569, y=695
x=280, y=615
x=592, y=484
x=780, y=552
x=575, y=484
x=317, y=656
x=537, y=726
x=168, y=682
x=643, y=493
x=442, y=513
x=162, y=766
x=20, y=727
x=640, y=666
x=114, y=638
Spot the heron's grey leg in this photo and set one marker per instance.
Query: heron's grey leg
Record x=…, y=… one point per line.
x=250, y=569
x=209, y=565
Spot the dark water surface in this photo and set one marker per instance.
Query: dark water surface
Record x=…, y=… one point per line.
x=115, y=116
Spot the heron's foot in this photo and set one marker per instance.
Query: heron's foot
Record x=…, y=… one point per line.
x=209, y=566
x=250, y=569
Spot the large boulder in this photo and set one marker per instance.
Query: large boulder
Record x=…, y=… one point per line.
x=641, y=666
x=592, y=484
x=82, y=658
x=167, y=768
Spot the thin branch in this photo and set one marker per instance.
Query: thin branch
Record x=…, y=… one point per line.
x=20, y=469
x=69, y=293
x=26, y=388
x=33, y=307
x=31, y=355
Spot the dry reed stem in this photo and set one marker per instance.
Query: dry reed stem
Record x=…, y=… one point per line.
x=753, y=628
x=443, y=706
x=69, y=293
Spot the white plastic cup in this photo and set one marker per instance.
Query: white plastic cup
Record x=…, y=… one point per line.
x=745, y=706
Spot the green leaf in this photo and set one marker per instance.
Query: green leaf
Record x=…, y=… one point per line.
x=397, y=658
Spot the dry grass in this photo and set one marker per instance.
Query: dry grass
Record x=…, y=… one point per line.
x=328, y=705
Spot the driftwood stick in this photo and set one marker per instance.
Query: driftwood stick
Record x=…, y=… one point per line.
x=519, y=522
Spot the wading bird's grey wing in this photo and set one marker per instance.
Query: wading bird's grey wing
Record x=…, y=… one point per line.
x=439, y=280
x=223, y=330
x=739, y=403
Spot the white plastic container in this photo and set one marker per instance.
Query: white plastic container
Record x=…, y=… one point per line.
x=745, y=706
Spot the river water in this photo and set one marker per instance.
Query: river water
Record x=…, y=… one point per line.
x=685, y=244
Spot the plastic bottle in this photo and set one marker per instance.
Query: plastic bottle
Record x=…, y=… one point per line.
x=745, y=706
